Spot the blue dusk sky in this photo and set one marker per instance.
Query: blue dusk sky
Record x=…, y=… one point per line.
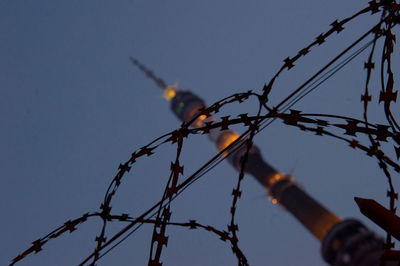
x=72, y=107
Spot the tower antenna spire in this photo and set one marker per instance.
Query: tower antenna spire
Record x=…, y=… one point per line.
x=158, y=81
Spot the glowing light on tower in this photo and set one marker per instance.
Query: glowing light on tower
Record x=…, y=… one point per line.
x=169, y=92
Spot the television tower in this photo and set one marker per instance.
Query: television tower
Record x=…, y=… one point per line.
x=345, y=242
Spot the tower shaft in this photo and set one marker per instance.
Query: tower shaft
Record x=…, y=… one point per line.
x=344, y=242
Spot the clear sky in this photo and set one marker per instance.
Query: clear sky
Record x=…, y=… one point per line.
x=72, y=107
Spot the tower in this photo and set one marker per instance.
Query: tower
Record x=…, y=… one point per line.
x=345, y=242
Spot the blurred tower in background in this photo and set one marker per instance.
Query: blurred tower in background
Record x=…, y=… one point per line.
x=344, y=242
